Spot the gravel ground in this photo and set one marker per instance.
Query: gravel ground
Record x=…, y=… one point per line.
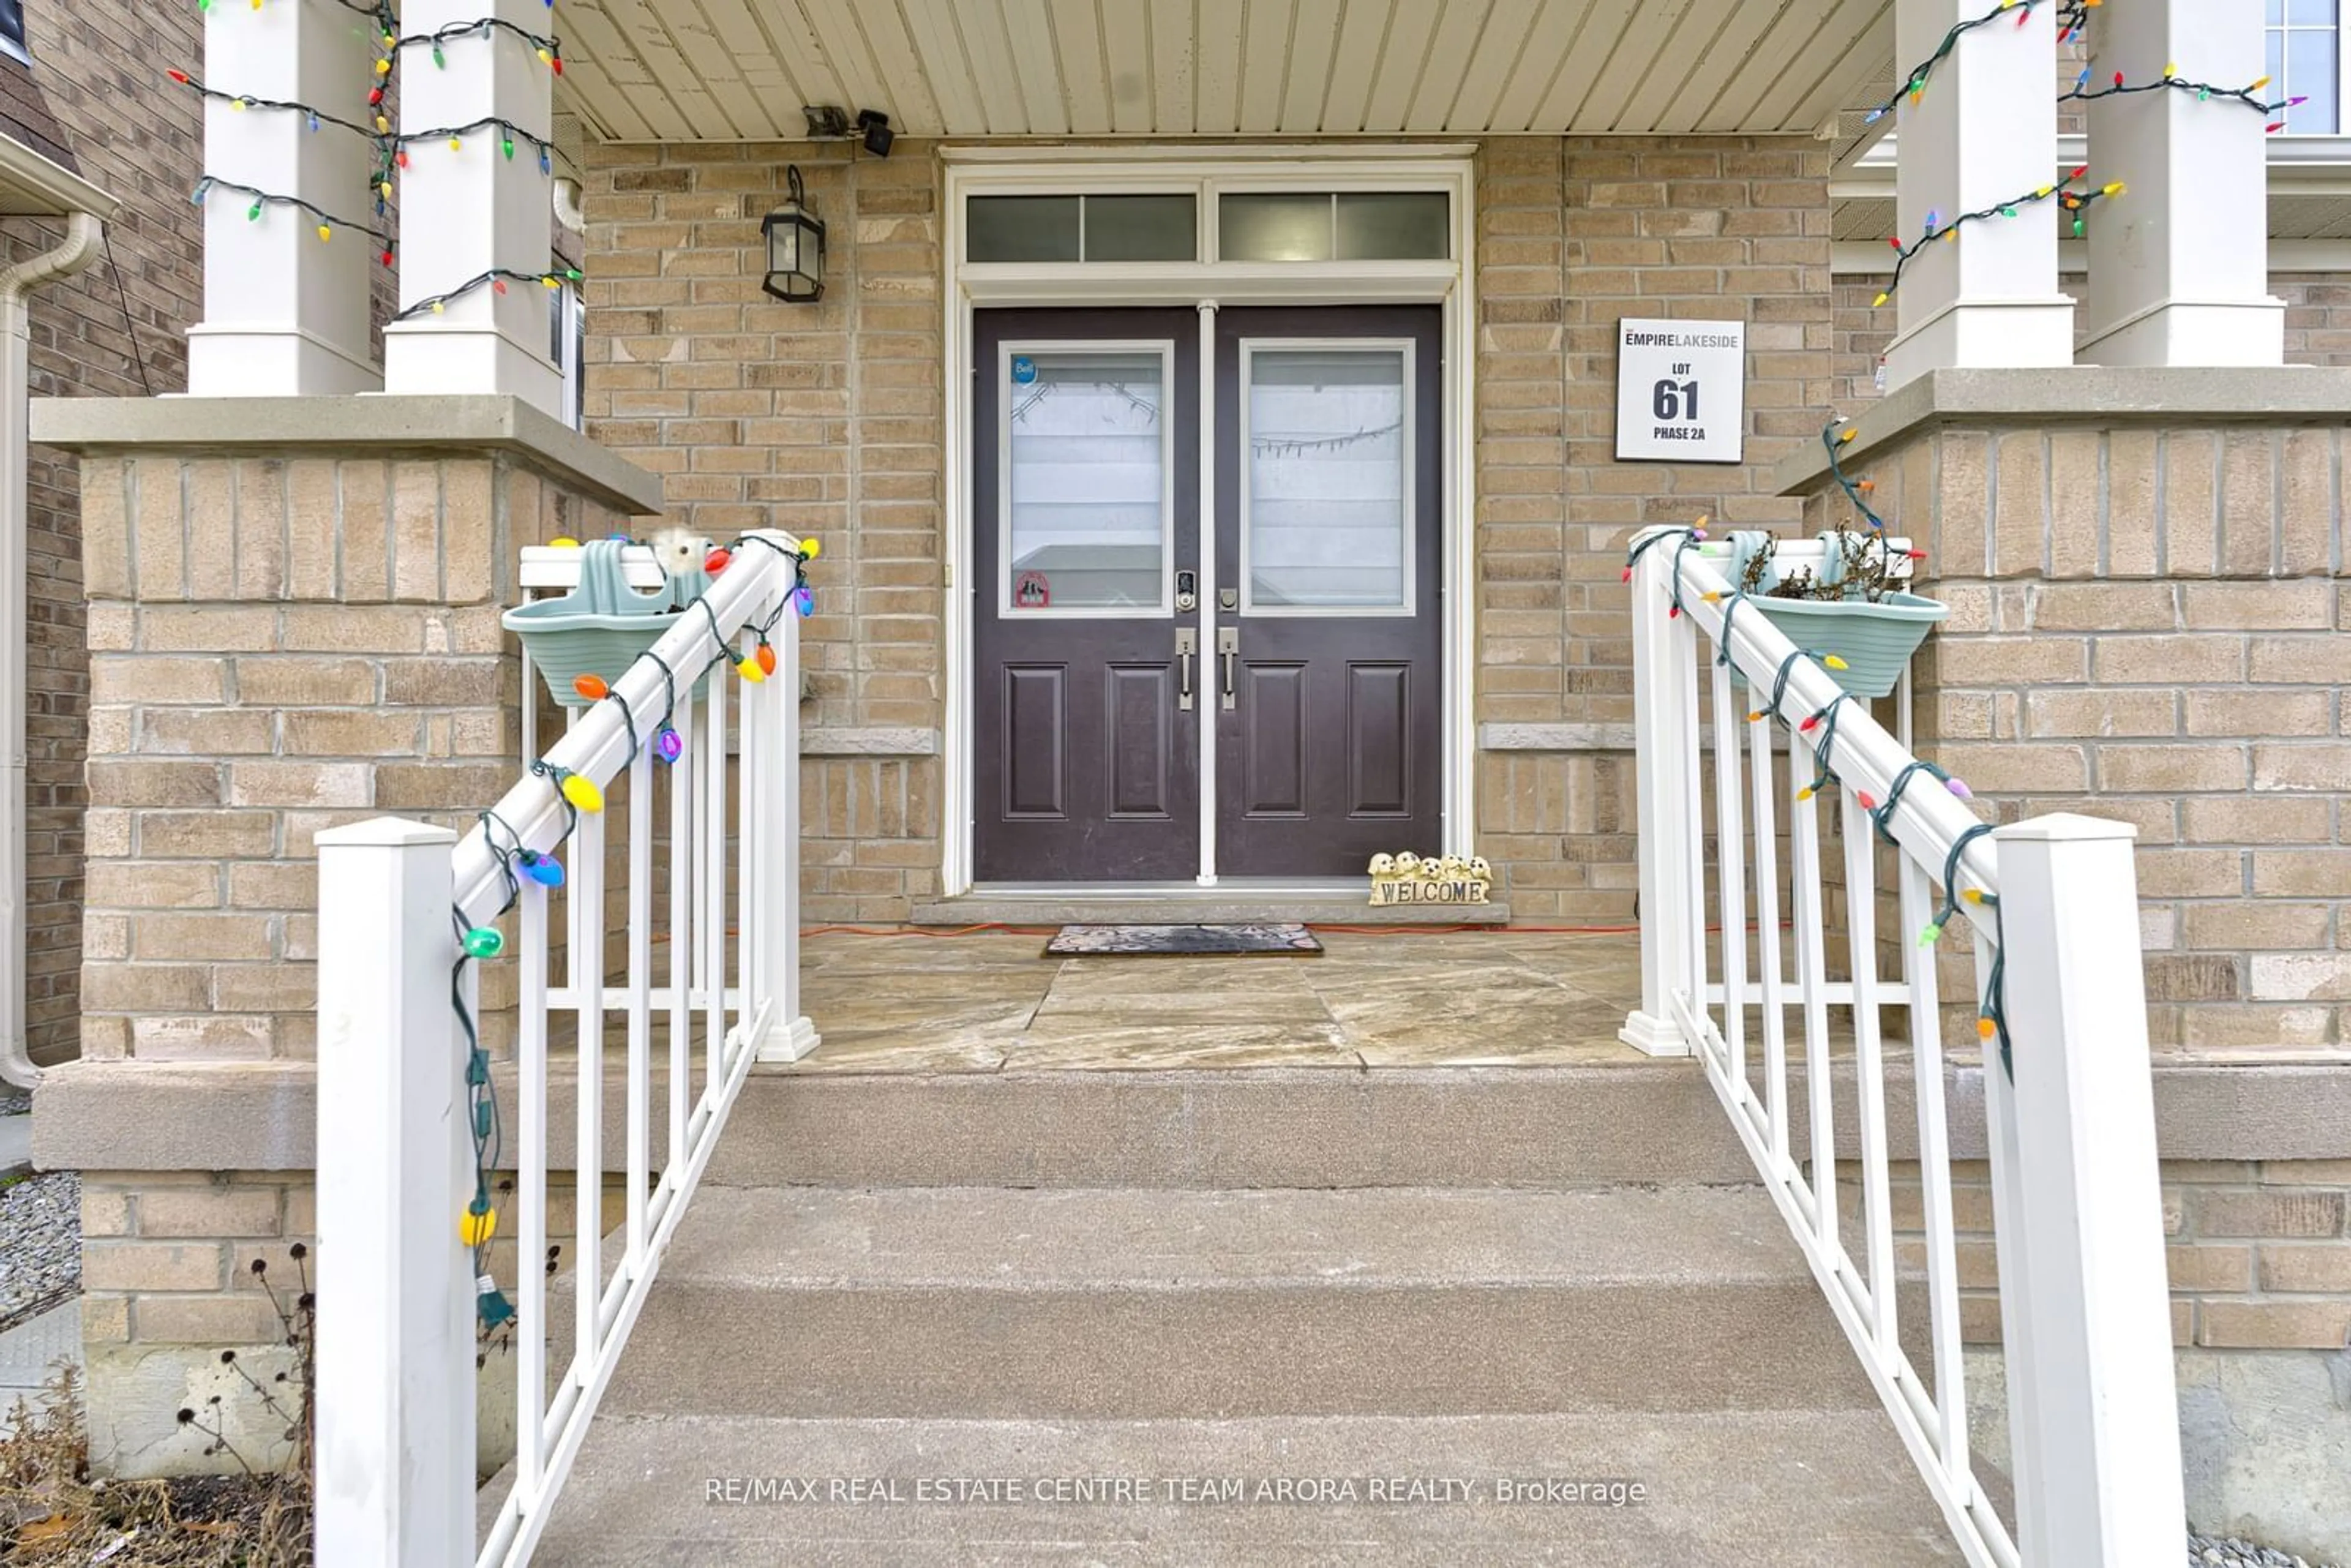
x=2217, y=1551
x=40, y=1245
x=15, y=1104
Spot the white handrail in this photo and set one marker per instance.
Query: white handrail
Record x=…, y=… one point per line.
x=597, y=746
x=398, y=1161
x=2077, y=1214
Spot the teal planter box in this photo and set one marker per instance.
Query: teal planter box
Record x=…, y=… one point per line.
x=1875, y=640
x=601, y=627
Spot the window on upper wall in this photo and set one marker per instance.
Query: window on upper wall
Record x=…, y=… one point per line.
x=2306, y=61
x=12, y=31
x=1148, y=227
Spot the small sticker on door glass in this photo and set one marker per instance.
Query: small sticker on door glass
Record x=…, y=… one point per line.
x=1024, y=369
x=1032, y=590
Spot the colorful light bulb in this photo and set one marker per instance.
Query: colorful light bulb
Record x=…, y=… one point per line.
x=582, y=792
x=592, y=687
x=668, y=745
x=716, y=561
x=804, y=601
x=544, y=870
x=483, y=942
x=766, y=655
x=476, y=1226
x=748, y=668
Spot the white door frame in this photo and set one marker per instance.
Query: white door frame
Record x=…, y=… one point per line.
x=1205, y=284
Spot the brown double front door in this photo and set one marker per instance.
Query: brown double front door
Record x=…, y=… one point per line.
x=1119, y=623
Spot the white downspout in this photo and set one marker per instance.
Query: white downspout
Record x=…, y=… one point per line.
x=84, y=235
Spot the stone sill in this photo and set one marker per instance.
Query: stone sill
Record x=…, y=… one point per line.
x=132, y=1115
x=373, y=425
x=2083, y=395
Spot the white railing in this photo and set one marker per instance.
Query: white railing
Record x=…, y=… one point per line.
x=2051, y=903
x=400, y=1086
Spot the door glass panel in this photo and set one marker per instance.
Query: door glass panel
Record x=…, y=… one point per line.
x=1022, y=228
x=1274, y=227
x=1328, y=475
x=1142, y=228
x=1086, y=480
x=1393, y=225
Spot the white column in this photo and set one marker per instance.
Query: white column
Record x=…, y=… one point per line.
x=1983, y=133
x=2180, y=264
x=466, y=210
x=2077, y=1201
x=394, y=1396
x=285, y=313
x=1665, y=726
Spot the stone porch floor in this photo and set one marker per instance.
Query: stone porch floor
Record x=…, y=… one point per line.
x=989, y=1001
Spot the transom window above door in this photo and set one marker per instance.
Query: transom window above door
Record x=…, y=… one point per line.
x=1204, y=224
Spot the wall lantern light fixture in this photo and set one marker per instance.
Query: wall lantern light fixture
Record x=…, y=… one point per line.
x=795, y=248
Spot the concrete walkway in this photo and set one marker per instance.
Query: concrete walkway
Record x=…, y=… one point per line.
x=16, y=1144
x=924, y=1003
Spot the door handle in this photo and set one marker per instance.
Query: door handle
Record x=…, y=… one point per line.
x=1187, y=647
x=1228, y=648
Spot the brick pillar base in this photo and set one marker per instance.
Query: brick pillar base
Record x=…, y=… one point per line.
x=2148, y=615
x=293, y=624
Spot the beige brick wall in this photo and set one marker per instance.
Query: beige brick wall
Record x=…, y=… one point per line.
x=827, y=418
x=2260, y=1252
x=823, y=420
x=2147, y=623
x=114, y=330
x=1574, y=233
x=278, y=646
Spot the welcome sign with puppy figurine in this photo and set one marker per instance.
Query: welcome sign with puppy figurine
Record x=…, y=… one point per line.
x=1409, y=879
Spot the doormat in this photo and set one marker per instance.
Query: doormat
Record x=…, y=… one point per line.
x=1271, y=939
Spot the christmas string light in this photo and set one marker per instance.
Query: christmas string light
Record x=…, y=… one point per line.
x=2072, y=200
x=263, y=199
x=509, y=134
x=1881, y=812
x=241, y=101
x=1779, y=680
x=2172, y=81
x=496, y=279
x=2073, y=18
x=549, y=50
x=1914, y=81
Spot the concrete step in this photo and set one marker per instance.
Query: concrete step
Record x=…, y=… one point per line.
x=1540, y=1127
x=985, y=1303
x=1719, y=1489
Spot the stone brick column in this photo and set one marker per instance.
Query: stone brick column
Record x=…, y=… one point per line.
x=2145, y=571
x=293, y=624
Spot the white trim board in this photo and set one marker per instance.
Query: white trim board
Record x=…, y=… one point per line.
x=1204, y=283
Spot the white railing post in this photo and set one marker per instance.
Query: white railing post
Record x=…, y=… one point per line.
x=1665, y=724
x=394, y=1394
x=791, y=1036
x=2078, y=1206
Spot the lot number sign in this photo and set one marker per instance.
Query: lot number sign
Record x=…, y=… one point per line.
x=1681, y=390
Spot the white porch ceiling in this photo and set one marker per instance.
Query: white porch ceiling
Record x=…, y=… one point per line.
x=678, y=70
